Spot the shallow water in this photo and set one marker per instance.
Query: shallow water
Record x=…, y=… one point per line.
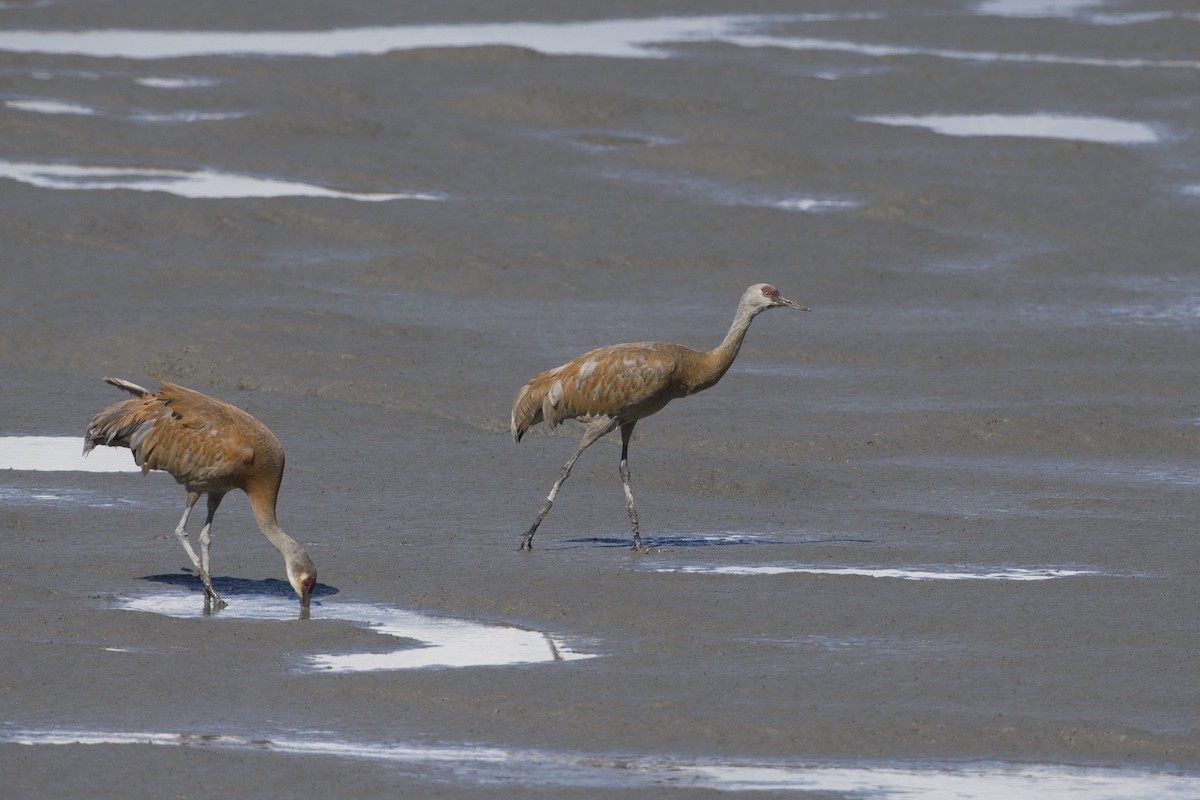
x=1045, y=126
x=565, y=770
x=900, y=573
x=204, y=184
x=436, y=641
x=61, y=454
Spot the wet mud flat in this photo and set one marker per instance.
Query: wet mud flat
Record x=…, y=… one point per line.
x=938, y=533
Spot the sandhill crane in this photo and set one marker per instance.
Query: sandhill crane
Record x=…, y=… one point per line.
x=616, y=386
x=211, y=447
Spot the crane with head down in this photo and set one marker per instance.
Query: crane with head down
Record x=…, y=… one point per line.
x=212, y=448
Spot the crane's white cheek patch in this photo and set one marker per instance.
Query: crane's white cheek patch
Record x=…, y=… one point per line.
x=429, y=641
x=61, y=454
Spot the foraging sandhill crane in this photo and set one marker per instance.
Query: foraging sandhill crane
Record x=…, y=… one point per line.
x=211, y=447
x=616, y=386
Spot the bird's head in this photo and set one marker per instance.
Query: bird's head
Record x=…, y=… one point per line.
x=762, y=296
x=302, y=575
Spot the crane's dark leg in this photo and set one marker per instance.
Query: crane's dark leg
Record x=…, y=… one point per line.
x=593, y=432
x=181, y=533
x=626, y=432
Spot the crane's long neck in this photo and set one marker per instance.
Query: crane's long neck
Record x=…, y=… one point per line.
x=262, y=503
x=715, y=363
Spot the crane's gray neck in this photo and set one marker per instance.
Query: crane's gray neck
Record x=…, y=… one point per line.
x=291, y=550
x=718, y=361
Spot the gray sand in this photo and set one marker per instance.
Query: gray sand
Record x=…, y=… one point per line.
x=999, y=373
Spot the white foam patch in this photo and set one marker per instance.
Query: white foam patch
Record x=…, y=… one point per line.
x=980, y=782
x=1086, y=11
x=907, y=574
x=155, y=82
x=436, y=641
x=51, y=107
x=978, y=56
x=193, y=184
x=619, y=38
x=1141, y=17
x=489, y=765
x=1041, y=126
x=61, y=454
x=1035, y=8
x=812, y=204
x=185, y=116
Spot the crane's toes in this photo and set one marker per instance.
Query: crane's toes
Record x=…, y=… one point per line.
x=214, y=601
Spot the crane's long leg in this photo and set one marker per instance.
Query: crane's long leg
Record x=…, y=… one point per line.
x=181, y=534
x=594, y=431
x=626, y=432
x=214, y=502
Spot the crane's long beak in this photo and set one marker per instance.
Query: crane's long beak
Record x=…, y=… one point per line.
x=793, y=304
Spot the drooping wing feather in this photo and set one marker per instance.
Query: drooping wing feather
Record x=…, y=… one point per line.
x=625, y=381
x=200, y=440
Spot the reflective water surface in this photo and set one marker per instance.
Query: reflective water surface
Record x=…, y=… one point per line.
x=944, y=573
x=436, y=641
x=204, y=184
x=61, y=454
x=1041, y=126
x=492, y=765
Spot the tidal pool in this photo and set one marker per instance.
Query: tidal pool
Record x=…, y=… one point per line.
x=435, y=641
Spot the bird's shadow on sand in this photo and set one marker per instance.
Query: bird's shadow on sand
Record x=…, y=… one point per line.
x=233, y=587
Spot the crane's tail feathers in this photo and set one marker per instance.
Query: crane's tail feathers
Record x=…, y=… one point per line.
x=523, y=409
x=527, y=408
x=122, y=424
x=132, y=388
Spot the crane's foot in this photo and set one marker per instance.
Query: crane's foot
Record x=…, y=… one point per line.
x=638, y=547
x=526, y=543
x=211, y=598
x=213, y=602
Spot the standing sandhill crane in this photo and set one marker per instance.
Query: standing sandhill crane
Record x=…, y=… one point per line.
x=211, y=448
x=616, y=386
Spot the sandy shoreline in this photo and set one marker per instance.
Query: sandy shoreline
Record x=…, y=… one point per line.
x=998, y=373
